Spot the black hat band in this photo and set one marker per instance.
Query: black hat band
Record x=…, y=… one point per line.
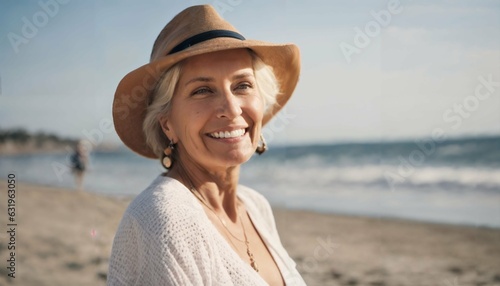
x=201, y=37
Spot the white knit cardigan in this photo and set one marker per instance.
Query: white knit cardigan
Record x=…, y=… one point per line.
x=165, y=238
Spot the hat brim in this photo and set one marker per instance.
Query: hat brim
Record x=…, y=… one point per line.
x=133, y=92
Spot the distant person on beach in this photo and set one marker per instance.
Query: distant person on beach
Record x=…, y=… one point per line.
x=199, y=107
x=79, y=162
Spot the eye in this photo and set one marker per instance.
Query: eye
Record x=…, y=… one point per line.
x=202, y=90
x=244, y=86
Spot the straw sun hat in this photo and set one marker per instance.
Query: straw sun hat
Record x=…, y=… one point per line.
x=194, y=31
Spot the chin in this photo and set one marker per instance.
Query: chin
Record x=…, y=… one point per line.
x=235, y=158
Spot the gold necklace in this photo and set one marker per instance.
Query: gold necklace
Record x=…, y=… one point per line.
x=253, y=263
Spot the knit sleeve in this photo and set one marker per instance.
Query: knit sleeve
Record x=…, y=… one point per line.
x=124, y=262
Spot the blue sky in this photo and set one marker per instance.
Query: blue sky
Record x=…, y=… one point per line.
x=415, y=73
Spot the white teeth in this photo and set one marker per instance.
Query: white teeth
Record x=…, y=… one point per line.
x=227, y=134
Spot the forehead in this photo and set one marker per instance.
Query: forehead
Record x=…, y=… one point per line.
x=217, y=62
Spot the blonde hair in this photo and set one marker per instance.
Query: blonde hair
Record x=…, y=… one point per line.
x=160, y=100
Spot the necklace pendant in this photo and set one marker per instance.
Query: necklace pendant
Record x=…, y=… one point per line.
x=254, y=265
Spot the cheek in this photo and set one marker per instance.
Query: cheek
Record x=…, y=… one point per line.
x=255, y=111
x=256, y=108
x=192, y=121
x=180, y=121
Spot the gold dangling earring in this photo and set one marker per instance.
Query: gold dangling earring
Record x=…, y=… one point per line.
x=261, y=148
x=167, y=159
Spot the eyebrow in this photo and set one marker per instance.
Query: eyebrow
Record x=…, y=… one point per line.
x=211, y=79
x=202, y=79
x=243, y=75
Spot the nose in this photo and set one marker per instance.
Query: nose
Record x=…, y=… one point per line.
x=230, y=105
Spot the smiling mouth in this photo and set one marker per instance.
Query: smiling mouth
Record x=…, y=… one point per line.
x=228, y=134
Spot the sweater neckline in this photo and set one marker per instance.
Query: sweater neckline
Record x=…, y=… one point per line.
x=259, y=228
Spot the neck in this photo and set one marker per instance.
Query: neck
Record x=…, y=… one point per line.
x=217, y=187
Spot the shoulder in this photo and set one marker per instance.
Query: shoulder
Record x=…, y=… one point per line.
x=165, y=206
x=169, y=219
x=164, y=197
x=258, y=206
x=162, y=237
x=252, y=196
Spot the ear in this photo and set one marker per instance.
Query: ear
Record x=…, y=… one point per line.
x=166, y=126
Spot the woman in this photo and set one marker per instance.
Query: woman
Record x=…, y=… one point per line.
x=79, y=162
x=199, y=107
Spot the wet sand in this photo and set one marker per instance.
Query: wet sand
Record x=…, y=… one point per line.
x=64, y=237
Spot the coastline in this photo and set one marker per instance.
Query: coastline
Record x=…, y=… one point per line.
x=12, y=150
x=66, y=235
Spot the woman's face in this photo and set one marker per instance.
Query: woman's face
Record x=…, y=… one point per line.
x=216, y=111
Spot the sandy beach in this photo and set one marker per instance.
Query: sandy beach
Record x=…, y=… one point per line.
x=64, y=237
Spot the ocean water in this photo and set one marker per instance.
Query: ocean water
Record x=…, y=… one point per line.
x=456, y=181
